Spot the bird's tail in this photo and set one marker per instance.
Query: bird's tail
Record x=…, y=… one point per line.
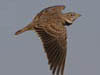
x=27, y=28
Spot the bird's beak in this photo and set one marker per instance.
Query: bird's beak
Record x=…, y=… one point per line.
x=78, y=15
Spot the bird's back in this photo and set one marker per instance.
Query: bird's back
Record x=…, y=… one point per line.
x=50, y=15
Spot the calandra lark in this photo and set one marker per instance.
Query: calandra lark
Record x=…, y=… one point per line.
x=50, y=26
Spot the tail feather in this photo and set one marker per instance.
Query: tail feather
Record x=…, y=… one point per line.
x=28, y=27
x=20, y=31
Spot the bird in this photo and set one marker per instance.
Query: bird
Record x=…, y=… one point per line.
x=50, y=25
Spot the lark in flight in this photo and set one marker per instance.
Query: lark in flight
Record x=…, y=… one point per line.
x=50, y=26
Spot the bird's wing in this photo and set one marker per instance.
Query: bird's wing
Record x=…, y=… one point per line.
x=54, y=9
x=58, y=8
x=54, y=41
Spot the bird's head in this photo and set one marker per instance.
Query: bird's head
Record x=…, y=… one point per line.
x=70, y=17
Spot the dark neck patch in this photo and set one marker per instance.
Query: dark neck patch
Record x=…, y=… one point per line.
x=67, y=24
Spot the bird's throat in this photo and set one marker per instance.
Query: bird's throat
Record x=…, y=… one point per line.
x=67, y=24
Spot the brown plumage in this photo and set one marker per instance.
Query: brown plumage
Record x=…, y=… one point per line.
x=50, y=26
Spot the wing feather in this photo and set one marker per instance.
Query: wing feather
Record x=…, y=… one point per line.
x=55, y=48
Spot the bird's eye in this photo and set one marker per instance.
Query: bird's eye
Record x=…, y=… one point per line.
x=71, y=14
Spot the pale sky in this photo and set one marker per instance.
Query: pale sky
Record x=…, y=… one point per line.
x=24, y=55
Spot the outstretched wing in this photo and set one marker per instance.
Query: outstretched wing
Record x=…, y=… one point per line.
x=50, y=11
x=54, y=42
x=57, y=8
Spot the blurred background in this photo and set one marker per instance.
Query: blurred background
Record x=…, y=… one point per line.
x=24, y=54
